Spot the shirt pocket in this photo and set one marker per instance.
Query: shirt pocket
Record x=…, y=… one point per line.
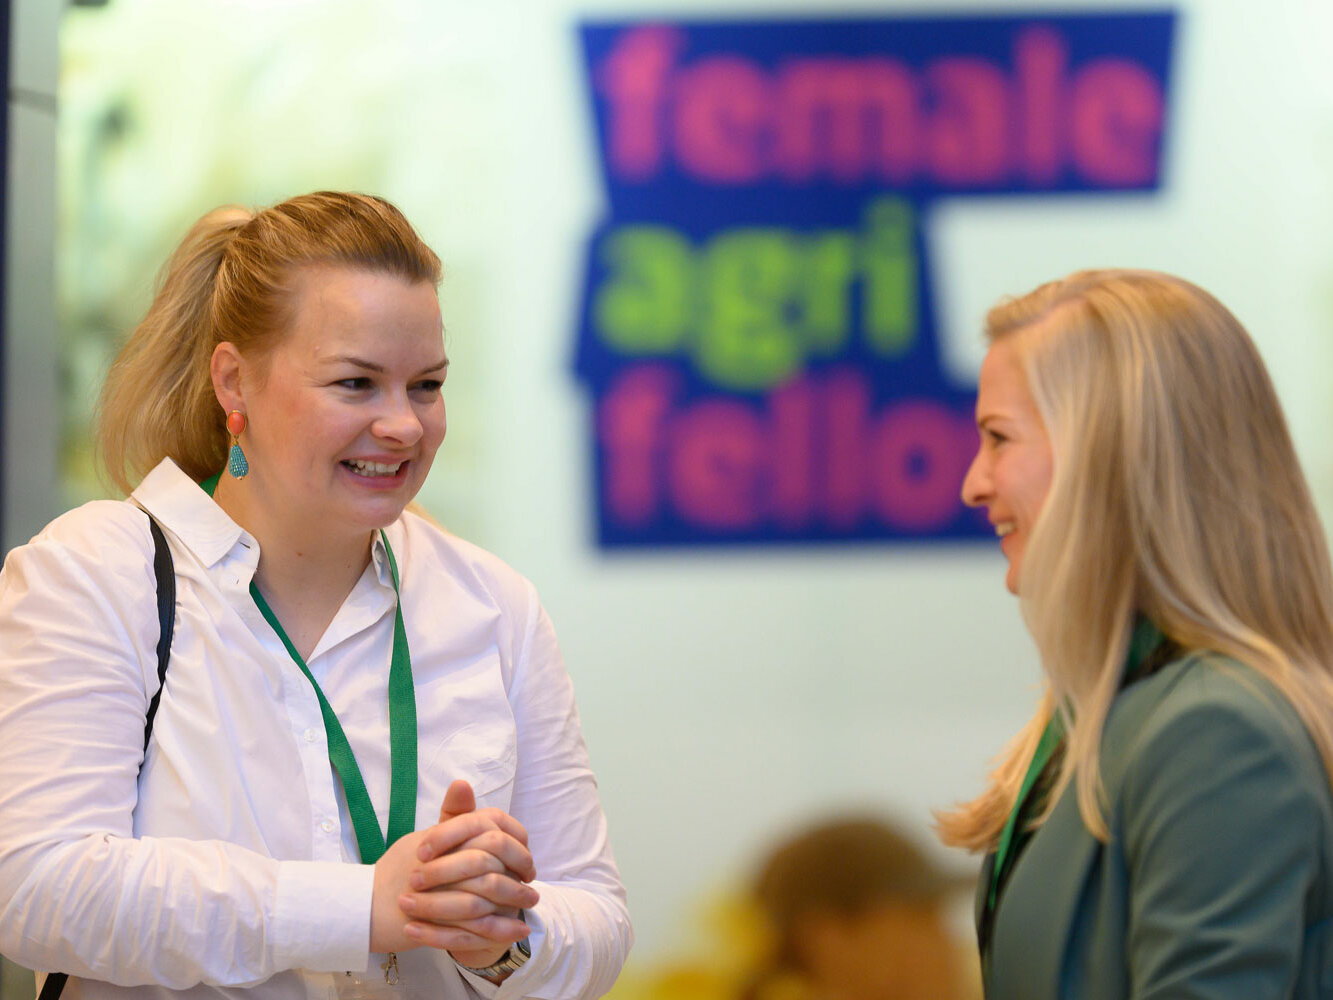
x=484, y=755
x=467, y=731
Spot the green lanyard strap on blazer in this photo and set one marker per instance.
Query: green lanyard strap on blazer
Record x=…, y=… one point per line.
x=1051, y=737
x=1145, y=640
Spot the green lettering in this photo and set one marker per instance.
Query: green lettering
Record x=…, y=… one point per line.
x=889, y=289
x=645, y=305
x=750, y=279
x=830, y=261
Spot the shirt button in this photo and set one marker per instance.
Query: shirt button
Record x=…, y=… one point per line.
x=327, y=826
x=309, y=735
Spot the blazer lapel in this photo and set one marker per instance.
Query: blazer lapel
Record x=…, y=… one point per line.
x=1039, y=906
x=983, y=889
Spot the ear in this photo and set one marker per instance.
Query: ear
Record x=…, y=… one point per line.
x=227, y=367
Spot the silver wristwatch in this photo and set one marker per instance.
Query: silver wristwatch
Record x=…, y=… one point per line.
x=510, y=961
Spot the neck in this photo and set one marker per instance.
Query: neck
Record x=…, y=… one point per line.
x=291, y=571
x=305, y=572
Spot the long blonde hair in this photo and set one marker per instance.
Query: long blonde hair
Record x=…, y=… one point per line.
x=229, y=280
x=1176, y=494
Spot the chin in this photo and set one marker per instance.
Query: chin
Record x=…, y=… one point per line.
x=373, y=517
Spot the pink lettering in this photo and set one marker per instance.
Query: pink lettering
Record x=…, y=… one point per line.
x=958, y=120
x=1039, y=63
x=811, y=453
x=1117, y=119
x=629, y=424
x=793, y=453
x=722, y=113
x=917, y=466
x=715, y=462
x=967, y=135
x=847, y=118
x=634, y=78
x=848, y=413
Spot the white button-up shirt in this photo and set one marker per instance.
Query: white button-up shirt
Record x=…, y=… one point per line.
x=228, y=860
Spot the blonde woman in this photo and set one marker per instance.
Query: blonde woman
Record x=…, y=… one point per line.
x=364, y=773
x=1163, y=827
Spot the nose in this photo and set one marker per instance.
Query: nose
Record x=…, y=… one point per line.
x=977, y=482
x=398, y=422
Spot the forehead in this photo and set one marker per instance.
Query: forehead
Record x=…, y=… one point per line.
x=1002, y=387
x=331, y=309
x=355, y=293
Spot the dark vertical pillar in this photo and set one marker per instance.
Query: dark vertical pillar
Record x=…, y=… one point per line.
x=4, y=218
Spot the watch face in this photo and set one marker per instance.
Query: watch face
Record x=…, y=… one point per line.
x=524, y=948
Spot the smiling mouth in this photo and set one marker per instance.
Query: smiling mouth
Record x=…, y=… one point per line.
x=1003, y=528
x=371, y=469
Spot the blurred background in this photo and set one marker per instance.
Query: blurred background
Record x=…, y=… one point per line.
x=735, y=694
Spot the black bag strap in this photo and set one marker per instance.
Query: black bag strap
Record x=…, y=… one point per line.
x=55, y=983
x=164, y=570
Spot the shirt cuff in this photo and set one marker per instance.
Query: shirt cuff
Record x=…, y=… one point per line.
x=321, y=919
x=484, y=987
x=513, y=986
x=535, y=968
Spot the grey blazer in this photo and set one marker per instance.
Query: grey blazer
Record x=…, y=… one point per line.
x=1217, y=881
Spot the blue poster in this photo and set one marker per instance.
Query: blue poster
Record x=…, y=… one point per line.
x=757, y=330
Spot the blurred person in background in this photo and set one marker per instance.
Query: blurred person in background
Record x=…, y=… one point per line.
x=855, y=911
x=364, y=774
x=1163, y=827
x=846, y=909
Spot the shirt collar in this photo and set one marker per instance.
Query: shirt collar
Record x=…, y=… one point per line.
x=179, y=505
x=379, y=558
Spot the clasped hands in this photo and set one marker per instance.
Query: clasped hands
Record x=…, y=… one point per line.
x=458, y=885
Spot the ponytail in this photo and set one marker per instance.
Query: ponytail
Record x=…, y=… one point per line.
x=158, y=398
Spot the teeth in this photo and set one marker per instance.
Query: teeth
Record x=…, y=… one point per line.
x=1004, y=528
x=372, y=468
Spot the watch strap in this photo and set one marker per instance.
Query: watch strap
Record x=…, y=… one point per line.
x=510, y=961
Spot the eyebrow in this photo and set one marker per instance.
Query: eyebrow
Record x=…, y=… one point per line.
x=348, y=359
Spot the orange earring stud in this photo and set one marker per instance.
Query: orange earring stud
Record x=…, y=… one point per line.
x=237, y=464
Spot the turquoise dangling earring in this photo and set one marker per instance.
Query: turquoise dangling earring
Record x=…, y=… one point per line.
x=236, y=462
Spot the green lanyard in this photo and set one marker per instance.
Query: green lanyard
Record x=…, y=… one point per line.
x=402, y=731
x=1050, y=739
x=1145, y=638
